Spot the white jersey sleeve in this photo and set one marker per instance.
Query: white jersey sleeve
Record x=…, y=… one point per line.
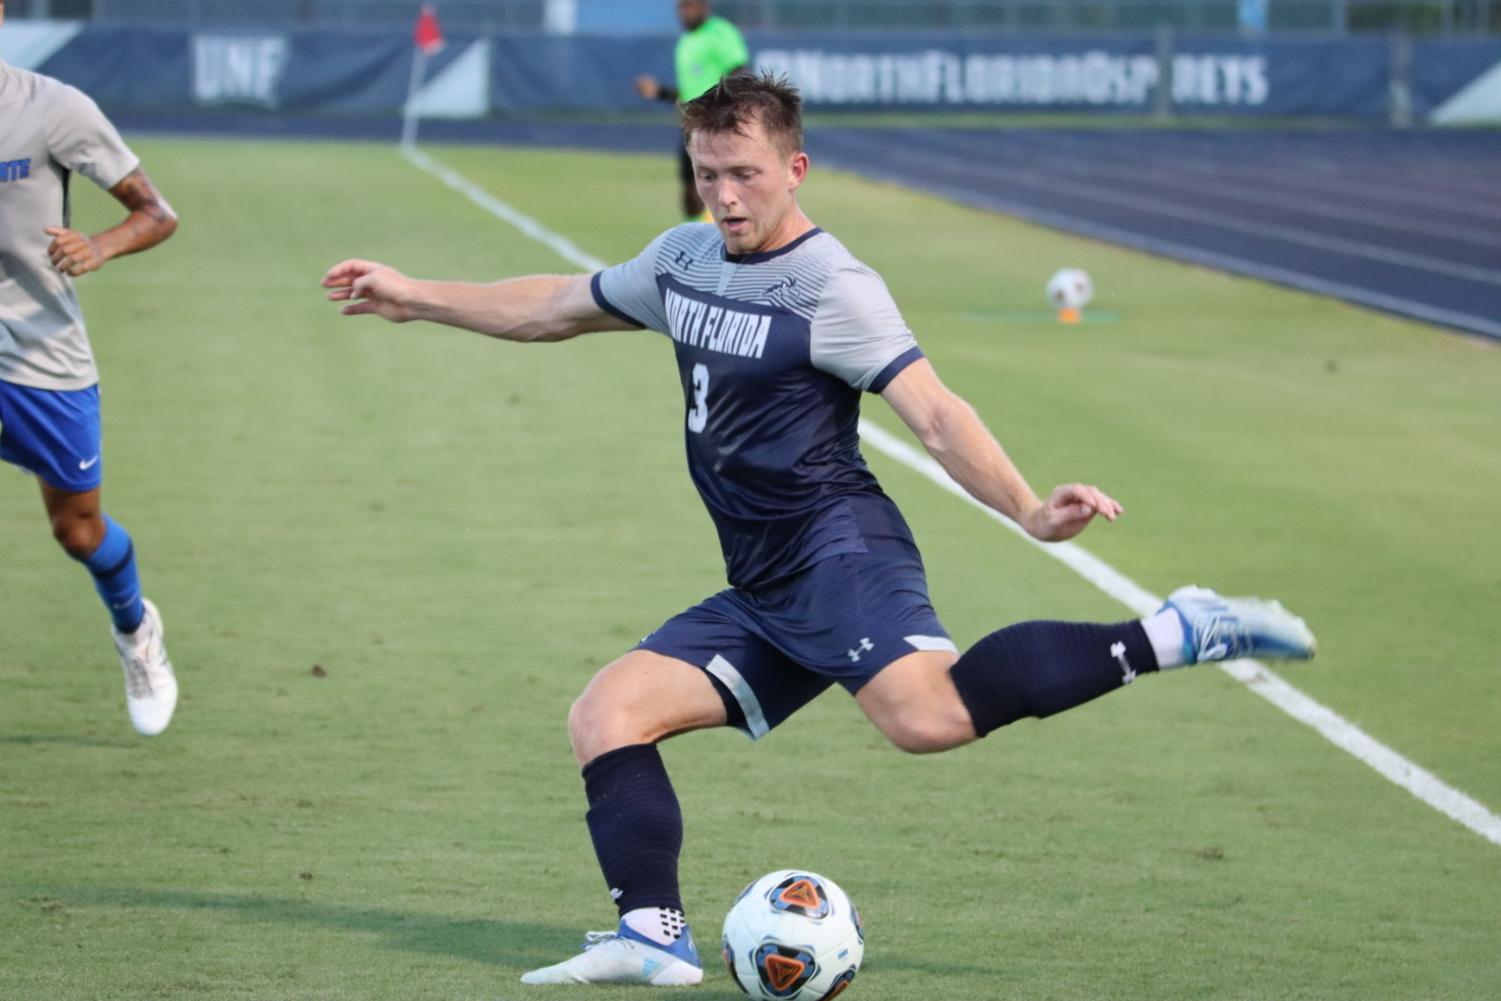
x=858, y=334
x=81, y=139
x=630, y=291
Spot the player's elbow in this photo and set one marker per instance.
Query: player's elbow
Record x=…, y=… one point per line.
x=163, y=220
x=165, y=228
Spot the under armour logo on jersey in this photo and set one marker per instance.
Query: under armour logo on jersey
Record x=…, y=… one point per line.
x=15, y=170
x=682, y=260
x=1118, y=651
x=865, y=644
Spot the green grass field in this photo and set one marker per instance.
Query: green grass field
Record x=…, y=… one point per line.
x=458, y=532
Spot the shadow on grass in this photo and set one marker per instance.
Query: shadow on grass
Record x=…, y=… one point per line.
x=68, y=740
x=513, y=945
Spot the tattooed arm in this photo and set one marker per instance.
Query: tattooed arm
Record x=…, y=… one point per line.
x=151, y=220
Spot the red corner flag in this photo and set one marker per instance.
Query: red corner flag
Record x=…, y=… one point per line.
x=427, y=34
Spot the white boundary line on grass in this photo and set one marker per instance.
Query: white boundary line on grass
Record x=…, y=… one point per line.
x=1254, y=675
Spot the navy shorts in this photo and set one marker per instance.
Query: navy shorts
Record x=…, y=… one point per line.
x=772, y=650
x=53, y=433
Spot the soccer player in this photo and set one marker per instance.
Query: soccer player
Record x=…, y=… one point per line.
x=49, y=392
x=709, y=49
x=778, y=330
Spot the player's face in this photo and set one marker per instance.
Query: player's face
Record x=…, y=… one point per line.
x=750, y=187
x=692, y=13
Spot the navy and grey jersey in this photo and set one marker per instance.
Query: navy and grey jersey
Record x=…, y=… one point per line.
x=773, y=351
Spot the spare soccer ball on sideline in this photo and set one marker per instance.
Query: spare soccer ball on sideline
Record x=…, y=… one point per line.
x=1070, y=288
x=793, y=935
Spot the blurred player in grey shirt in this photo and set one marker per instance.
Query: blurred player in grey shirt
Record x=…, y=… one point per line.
x=49, y=388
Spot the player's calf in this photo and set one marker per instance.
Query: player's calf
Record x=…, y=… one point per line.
x=637, y=829
x=1042, y=668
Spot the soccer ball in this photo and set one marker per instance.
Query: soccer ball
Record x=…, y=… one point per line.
x=793, y=935
x=1070, y=289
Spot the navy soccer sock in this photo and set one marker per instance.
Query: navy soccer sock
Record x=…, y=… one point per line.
x=1042, y=668
x=113, y=566
x=636, y=826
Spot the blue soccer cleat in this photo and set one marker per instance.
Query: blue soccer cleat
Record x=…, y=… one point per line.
x=1220, y=628
x=626, y=957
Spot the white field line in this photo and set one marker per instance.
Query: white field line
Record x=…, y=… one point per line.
x=1254, y=675
x=560, y=245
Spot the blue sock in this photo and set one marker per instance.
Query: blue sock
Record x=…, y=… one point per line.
x=636, y=826
x=1042, y=668
x=113, y=566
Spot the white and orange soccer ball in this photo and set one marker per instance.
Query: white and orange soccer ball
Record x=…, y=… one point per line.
x=1069, y=291
x=793, y=935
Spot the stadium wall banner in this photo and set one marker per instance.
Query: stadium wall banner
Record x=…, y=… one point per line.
x=174, y=70
x=1216, y=75
x=368, y=73
x=1457, y=82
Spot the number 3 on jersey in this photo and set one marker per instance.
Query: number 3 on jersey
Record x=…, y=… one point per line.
x=698, y=417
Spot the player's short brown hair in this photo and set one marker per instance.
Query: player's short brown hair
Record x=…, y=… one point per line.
x=742, y=98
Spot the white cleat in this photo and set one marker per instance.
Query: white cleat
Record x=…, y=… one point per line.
x=1220, y=628
x=622, y=957
x=150, y=685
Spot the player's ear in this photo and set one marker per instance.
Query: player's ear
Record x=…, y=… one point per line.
x=798, y=169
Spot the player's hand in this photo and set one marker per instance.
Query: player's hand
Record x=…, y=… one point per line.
x=369, y=287
x=1068, y=511
x=72, y=253
x=648, y=87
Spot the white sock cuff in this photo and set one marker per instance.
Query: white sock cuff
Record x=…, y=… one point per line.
x=1165, y=630
x=663, y=925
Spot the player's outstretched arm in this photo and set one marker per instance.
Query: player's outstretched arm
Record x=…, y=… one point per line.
x=151, y=220
x=536, y=308
x=953, y=434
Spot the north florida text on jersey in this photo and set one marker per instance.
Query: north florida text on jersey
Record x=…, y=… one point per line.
x=716, y=328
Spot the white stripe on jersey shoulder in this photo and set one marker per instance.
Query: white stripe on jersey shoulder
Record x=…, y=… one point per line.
x=694, y=254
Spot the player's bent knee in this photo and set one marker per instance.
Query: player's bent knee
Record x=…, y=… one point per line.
x=79, y=537
x=914, y=703
x=595, y=728
x=926, y=734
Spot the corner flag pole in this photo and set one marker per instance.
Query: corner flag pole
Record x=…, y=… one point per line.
x=428, y=39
